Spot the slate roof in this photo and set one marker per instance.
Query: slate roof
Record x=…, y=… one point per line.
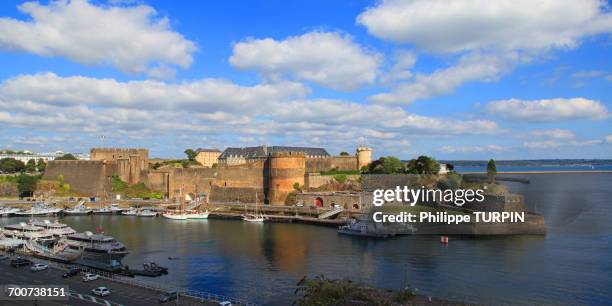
x=264, y=151
x=207, y=150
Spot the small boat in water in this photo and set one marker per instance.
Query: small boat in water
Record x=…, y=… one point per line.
x=78, y=210
x=146, y=213
x=115, y=209
x=96, y=247
x=129, y=212
x=40, y=209
x=175, y=216
x=198, y=215
x=255, y=216
x=103, y=211
x=8, y=211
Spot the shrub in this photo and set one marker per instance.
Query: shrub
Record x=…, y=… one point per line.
x=340, y=178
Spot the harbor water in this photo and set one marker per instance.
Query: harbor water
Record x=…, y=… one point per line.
x=263, y=262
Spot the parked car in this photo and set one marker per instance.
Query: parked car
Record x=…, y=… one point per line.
x=225, y=303
x=72, y=272
x=90, y=277
x=38, y=267
x=101, y=291
x=4, y=257
x=20, y=262
x=168, y=296
x=299, y=205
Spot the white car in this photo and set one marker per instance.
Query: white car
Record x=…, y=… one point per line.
x=90, y=277
x=38, y=267
x=225, y=303
x=101, y=291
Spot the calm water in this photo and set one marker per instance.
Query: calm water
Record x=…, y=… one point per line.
x=262, y=262
x=502, y=168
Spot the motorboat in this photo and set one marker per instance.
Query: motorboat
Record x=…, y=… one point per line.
x=106, y=210
x=55, y=228
x=25, y=231
x=40, y=209
x=78, y=210
x=146, y=213
x=130, y=212
x=116, y=209
x=96, y=247
x=8, y=211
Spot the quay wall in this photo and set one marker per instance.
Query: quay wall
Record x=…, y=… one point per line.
x=221, y=194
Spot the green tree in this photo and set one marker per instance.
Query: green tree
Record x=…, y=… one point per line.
x=392, y=164
x=340, y=178
x=11, y=165
x=41, y=165
x=26, y=184
x=66, y=156
x=423, y=165
x=191, y=154
x=491, y=170
x=30, y=166
x=344, y=153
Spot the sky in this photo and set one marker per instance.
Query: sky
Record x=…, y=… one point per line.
x=457, y=79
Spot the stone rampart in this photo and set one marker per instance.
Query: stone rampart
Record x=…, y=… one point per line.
x=87, y=177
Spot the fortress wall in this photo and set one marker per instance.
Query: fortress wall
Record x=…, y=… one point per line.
x=346, y=200
x=236, y=194
x=317, y=164
x=84, y=176
x=315, y=180
x=251, y=174
x=508, y=203
x=190, y=180
x=158, y=181
x=343, y=163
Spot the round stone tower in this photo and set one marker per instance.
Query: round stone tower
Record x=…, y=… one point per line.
x=364, y=156
x=286, y=169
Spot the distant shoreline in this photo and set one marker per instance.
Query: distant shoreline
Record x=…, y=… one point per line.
x=541, y=172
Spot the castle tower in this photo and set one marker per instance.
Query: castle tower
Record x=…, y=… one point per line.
x=364, y=156
x=128, y=163
x=286, y=169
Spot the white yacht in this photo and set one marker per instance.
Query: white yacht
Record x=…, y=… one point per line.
x=106, y=210
x=55, y=228
x=26, y=231
x=78, y=210
x=255, y=216
x=146, y=213
x=175, y=215
x=96, y=247
x=40, y=209
x=130, y=212
x=8, y=211
x=115, y=209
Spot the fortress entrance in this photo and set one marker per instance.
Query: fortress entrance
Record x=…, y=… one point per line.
x=319, y=202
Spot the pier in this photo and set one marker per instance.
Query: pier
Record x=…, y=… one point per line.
x=124, y=290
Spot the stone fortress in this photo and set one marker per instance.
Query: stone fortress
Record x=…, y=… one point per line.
x=265, y=173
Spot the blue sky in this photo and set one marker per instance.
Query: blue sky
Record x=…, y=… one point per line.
x=455, y=80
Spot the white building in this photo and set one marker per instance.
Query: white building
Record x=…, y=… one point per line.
x=25, y=156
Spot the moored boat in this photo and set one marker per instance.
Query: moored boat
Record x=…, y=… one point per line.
x=40, y=209
x=55, y=228
x=116, y=209
x=146, y=213
x=130, y=212
x=78, y=210
x=27, y=232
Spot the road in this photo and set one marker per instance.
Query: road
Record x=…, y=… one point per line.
x=121, y=294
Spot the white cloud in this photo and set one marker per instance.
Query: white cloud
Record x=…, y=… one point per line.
x=463, y=25
x=471, y=67
x=326, y=58
x=132, y=38
x=222, y=111
x=553, y=133
x=547, y=110
x=473, y=149
x=552, y=144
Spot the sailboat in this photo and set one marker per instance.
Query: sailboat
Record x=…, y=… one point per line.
x=254, y=217
x=197, y=212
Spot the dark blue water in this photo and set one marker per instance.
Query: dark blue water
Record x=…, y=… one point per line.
x=571, y=265
x=501, y=168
